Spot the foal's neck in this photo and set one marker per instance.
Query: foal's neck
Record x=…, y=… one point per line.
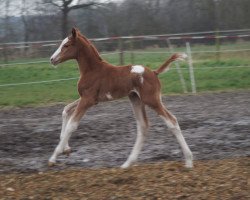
x=88, y=61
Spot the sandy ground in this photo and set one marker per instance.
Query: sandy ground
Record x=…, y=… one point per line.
x=209, y=180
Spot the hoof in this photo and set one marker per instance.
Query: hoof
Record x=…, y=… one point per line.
x=125, y=166
x=189, y=164
x=51, y=164
x=67, y=152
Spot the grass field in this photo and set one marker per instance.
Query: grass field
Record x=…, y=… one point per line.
x=210, y=75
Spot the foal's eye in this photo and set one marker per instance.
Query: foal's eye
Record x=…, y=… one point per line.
x=66, y=45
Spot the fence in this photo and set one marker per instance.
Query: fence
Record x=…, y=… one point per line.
x=203, y=49
x=43, y=49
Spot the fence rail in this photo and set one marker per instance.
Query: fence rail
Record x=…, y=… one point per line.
x=134, y=52
x=75, y=78
x=125, y=47
x=140, y=36
x=20, y=45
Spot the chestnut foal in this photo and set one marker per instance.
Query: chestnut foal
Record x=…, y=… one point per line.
x=100, y=81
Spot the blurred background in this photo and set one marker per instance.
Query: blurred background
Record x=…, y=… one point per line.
x=214, y=33
x=40, y=20
x=213, y=113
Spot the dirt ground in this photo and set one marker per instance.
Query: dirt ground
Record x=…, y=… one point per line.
x=217, y=180
x=216, y=127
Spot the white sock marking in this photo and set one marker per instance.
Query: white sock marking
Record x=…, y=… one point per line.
x=141, y=132
x=169, y=124
x=70, y=127
x=175, y=129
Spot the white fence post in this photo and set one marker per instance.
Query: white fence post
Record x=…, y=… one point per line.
x=183, y=83
x=191, y=70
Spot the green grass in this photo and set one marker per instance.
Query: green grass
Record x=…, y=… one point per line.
x=37, y=93
x=208, y=78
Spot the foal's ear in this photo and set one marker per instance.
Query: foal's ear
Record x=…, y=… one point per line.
x=74, y=32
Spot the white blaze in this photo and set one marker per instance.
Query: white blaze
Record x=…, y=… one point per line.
x=59, y=48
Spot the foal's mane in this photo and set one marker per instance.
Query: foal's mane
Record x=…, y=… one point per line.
x=92, y=47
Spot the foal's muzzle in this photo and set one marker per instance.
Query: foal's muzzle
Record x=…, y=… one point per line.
x=54, y=61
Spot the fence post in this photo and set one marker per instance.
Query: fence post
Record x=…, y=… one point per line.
x=5, y=54
x=191, y=70
x=217, y=44
x=132, y=56
x=182, y=80
x=121, y=51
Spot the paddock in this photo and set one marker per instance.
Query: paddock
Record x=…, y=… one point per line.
x=216, y=126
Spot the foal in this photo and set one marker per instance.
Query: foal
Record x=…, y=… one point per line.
x=100, y=81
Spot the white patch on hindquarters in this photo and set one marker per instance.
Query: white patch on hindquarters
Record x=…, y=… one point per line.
x=137, y=69
x=109, y=96
x=59, y=49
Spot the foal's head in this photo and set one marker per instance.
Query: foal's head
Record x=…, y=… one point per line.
x=67, y=50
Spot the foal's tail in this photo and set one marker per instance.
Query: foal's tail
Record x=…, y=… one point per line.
x=166, y=65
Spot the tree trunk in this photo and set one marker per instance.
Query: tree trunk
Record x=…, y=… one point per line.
x=6, y=31
x=65, y=12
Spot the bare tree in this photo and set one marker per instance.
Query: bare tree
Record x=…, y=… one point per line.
x=24, y=13
x=7, y=27
x=31, y=20
x=65, y=6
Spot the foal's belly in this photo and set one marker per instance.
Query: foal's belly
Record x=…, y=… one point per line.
x=118, y=86
x=112, y=95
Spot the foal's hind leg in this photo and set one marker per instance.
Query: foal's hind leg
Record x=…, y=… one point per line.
x=142, y=125
x=173, y=125
x=67, y=112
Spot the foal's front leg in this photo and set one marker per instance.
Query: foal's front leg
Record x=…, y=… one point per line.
x=66, y=114
x=71, y=126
